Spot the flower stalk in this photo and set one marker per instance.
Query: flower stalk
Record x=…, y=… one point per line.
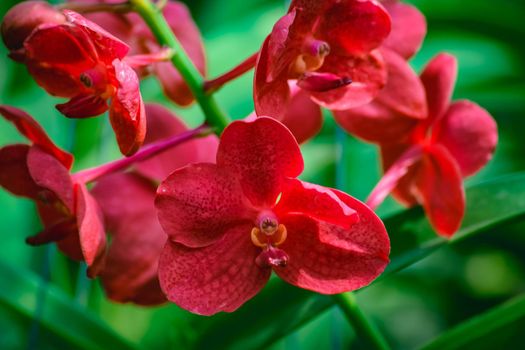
x=213, y=85
x=363, y=328
x=146, y=152
x=153, y=17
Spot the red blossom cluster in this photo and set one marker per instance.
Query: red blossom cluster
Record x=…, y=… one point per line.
x=202, y=221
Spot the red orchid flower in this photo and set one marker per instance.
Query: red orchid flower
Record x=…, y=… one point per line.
x=81, y=61
x=401, y=104
x=232, y=223
x=131, y=29
x=427, y=165
x=325, y=46
x=127, y=202
x=40, y=172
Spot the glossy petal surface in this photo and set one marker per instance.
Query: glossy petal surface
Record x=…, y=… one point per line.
x=14, y=174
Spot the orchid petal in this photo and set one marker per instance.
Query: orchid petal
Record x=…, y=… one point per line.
x=470, y=135
x=14, y=174
x=127, y=113
x=83, y=106
x=90, y=230
x=220, y=277
x=316, y=202
x=303, y=117
x=439, y=78
x=198, y=203
x=261, y=153
x=440, y=190
x=368, y=75
x=136, y=244
x=30, y=128
x=409, y=28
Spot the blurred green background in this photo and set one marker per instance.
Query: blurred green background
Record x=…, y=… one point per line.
x=46, y=302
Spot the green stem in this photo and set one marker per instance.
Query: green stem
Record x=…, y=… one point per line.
x=153, y=17
x=363, y=328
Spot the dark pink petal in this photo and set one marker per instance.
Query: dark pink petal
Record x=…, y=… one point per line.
x=303, y=117
x=368, y=75
x=90, y=230
x=70, y=246
x=440, y=190
x=328, y=259
x=23, y=18
x=198, y=203
x=56, y=232
x=220, y=277
x=161, y=124
x=181, y=23
x=55, y=82
x=107, y=46
x=390, y=180
x=439, y=78
x=316, y=202
x=321, y=82
x=404, y=191
x=409, y=28
x=126, y=113
x=354, y=27
x=48, y=173
x=261, y=153
x=395, y=111
x=149, y=294
x=83, y=106
x=30, y=128
x=271, y=96
x=127, y=202
x=14, y=174
x=280, y=48
x=469, y=133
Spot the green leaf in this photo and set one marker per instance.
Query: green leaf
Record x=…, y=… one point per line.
x=59, y=315
x=280, y=308
x=499, y=328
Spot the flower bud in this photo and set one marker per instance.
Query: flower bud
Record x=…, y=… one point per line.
x=23, y=18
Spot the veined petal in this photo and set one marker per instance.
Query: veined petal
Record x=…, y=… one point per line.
x=328, y=259
x=368, y=75
x=127, y=202
x=439, y=78
x=261, y=153
x=440, y=189
x=470, y=135
x=219, y=277
x=316, y=202
x=354, y=27
x=198, y=203
x=127, y=113
x=409, y=28
x=91, y=231
x=29, y=127
x=161, y=124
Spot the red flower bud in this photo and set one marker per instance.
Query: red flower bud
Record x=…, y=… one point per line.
x=23, y=18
